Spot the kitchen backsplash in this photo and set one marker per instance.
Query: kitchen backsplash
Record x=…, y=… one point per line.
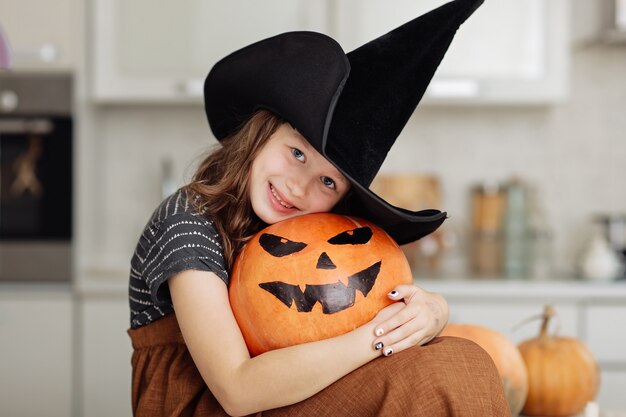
x=573, y=155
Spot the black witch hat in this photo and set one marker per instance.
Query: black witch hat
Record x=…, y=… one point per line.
x=350, y=107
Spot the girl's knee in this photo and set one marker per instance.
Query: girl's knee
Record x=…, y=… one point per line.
x=462, y=359
x=445, y=361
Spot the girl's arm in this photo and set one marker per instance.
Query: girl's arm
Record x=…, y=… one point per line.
x=245, y=385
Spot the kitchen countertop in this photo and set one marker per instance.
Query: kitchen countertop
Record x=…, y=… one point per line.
x=59, y=289
x=534, y=289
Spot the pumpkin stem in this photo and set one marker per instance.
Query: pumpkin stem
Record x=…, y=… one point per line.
x=548, y=313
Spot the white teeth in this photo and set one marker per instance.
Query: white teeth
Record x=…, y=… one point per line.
x=282, y=203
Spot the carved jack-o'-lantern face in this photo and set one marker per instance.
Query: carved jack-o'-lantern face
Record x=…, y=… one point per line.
x=313, y=277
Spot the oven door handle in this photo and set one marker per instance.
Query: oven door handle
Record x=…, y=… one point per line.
x=33, y=126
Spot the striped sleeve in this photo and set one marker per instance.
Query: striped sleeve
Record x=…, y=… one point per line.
x=181, y=241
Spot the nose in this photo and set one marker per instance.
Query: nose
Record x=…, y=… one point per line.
x=297, y=186
x=324, y=262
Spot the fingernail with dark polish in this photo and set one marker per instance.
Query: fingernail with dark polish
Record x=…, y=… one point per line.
x=388, y=352
x=379, y=345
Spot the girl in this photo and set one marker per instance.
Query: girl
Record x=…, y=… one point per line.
x=297, y=136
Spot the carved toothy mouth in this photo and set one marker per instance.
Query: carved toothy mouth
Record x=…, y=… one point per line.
x=333, y=297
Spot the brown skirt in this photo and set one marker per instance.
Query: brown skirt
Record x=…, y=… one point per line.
x=447, y=377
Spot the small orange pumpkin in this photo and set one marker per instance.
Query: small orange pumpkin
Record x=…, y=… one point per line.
x=313, y=277
x=562, y=373
x=504, y=354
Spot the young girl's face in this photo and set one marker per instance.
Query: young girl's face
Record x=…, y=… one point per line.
x=290, y=178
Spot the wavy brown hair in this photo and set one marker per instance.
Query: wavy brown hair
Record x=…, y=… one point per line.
x=221, y=183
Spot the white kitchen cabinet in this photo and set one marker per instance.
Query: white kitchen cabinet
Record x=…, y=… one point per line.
x=41, y=33
x=611, y=393
x=161, y=51
x=508, y=51
x=106, y=353
x=36, y=351
x=606, y=331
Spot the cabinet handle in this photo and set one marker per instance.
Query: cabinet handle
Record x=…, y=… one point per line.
x=20, y=126
x=193, y=87
x=46, y=53
x=453, y=89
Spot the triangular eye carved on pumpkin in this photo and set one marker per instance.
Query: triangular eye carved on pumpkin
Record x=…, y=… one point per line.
x=333, y=297
x=358, y=236
x=279, y=246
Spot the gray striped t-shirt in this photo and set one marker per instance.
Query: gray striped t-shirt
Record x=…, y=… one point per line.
x=177, y=238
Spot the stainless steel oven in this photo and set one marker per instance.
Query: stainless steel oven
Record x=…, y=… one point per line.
x=36, y=147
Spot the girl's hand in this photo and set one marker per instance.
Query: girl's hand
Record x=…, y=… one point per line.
x=416, y=319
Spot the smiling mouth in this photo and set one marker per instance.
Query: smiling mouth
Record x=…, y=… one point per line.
x=280, y=200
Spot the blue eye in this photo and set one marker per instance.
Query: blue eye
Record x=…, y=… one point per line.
x=298, y=154
x=328, y=182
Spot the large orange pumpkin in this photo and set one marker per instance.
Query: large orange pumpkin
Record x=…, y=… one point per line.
x=505, y=355
x=313, y=277
x=562, y=373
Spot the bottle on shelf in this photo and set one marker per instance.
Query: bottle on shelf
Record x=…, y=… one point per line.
x=516, y=231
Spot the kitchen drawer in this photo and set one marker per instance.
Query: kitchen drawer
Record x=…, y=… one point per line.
x=106, y=368
x=605, y=328
x=611, y=393
x=36, y=353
